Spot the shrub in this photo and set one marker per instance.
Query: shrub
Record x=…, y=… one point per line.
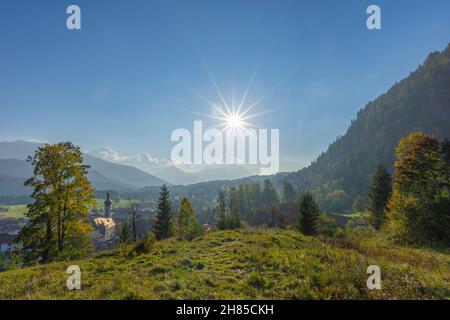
x=145, y=244
x=258, y=281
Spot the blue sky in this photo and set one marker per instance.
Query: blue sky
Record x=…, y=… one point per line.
x=133, y=73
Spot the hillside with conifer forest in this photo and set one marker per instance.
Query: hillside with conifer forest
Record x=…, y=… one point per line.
x=420, y=102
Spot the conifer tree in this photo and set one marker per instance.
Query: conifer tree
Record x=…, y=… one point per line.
x=308, y=214
x=379, y=193
x=164, y=218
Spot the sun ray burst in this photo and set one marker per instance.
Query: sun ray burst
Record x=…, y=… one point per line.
x=234, y=116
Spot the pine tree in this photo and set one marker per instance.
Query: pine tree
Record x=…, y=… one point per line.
x=164, y=220
x=379, y=194
x=308, y=214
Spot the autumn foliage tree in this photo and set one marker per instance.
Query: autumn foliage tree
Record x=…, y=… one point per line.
x=419, y=209
x=62, y=193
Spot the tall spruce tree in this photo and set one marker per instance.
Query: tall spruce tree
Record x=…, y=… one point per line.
x=379, y=193
x=308, y=214
x=164, y=217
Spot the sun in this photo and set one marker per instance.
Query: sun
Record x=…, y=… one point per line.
x=234, y=121
x=234, y=115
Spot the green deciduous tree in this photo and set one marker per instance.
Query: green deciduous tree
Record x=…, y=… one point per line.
x=269, y=195
x=221, y=211
x=57, y=227
x=187, y=220
x=359, y=205
x=289, y=193
x=234, y=219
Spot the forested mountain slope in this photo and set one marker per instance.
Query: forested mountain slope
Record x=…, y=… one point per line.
x=420, y=102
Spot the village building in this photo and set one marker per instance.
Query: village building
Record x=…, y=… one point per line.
x=105, y=226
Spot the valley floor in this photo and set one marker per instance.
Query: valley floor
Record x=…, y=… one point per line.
x=244, y=264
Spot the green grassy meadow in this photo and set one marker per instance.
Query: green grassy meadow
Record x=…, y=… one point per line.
x=119, y=204
x=244, y=264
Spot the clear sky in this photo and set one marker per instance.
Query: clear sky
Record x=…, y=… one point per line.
x=135, y=71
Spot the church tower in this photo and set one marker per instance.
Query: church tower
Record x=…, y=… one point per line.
x=107, y=203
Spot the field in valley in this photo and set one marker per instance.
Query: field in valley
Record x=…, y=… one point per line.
x=14, y=211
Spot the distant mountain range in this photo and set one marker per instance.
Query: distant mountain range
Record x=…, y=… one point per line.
x=165, y=170
x=104, y=175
